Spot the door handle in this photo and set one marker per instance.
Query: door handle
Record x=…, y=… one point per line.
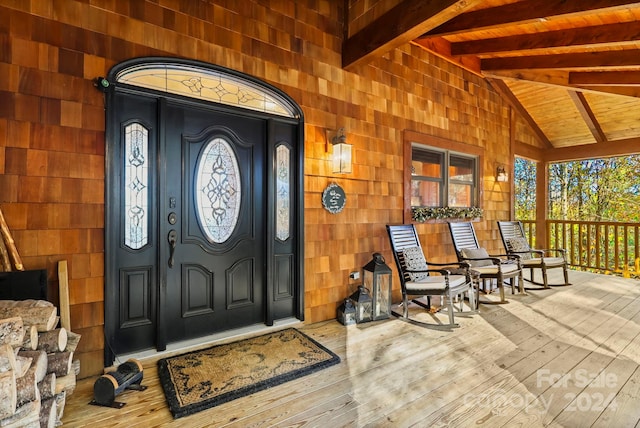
x=173, y=239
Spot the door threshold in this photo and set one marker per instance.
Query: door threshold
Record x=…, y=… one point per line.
x=207, y=341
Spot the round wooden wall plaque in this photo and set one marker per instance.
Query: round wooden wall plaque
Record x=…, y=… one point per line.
x=334, y=198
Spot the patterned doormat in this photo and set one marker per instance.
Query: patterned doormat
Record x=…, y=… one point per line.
x=202, y=379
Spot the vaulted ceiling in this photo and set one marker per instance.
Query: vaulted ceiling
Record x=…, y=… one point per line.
x=571, y=68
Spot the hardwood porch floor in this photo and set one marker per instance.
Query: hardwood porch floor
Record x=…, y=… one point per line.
x=564, y=357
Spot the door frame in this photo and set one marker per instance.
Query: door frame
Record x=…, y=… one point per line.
x=111, y=87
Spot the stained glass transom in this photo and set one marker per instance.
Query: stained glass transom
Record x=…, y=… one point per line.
x=206, y=84
x=218, y=190
x=283, y=195
x=136, y=186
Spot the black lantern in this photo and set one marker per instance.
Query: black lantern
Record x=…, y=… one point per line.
x=347, y=313
x=376, y=276
x=362, y=299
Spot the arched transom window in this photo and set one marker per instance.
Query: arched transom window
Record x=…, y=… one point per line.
x=206, y=84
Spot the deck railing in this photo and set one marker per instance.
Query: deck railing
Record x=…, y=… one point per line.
x=605, y=247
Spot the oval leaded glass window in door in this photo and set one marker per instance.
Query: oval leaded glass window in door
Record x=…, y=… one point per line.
x=218, y=190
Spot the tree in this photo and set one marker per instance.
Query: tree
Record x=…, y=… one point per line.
x=525, y=186
x=595, y=189
x=594, y=198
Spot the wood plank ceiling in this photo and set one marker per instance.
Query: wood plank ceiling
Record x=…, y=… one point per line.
x=570, y=67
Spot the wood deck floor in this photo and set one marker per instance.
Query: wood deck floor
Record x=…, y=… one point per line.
x=564, y=357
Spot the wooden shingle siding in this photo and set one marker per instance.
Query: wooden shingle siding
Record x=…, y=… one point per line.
x=52, y=124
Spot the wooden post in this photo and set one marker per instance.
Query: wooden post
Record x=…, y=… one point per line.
x=63, y=281
x=513, y=121
x=542, y=198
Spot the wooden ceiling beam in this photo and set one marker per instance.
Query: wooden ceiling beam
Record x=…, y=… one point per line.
x=506, y=93
x=631, y=91
x=605, y=78
x=528, y=151
x=587, y=114
x=442, y=48
x=400, y=25
x=618, y=58
x=545, y=77
x=560, y=78
x=554, y=43
x=626, y=32
x=626, y=147
x=521, y=12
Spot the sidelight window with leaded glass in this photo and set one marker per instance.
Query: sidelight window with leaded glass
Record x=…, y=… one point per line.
x=136, y=186
x=283, y=192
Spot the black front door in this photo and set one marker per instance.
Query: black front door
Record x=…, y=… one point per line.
x=202, y=221
x=213, y=197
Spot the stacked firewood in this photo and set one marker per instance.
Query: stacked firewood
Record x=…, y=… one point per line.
x=37, y=370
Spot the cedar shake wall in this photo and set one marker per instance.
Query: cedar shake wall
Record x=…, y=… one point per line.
x=52, y=130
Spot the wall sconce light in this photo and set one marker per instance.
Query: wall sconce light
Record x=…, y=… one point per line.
x=501, y=174
x=341, y=152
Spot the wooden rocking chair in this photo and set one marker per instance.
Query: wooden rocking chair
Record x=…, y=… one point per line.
x=515, y=242
x=490, y=266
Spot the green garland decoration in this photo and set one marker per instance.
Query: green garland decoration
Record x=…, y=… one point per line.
x=422, y=214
